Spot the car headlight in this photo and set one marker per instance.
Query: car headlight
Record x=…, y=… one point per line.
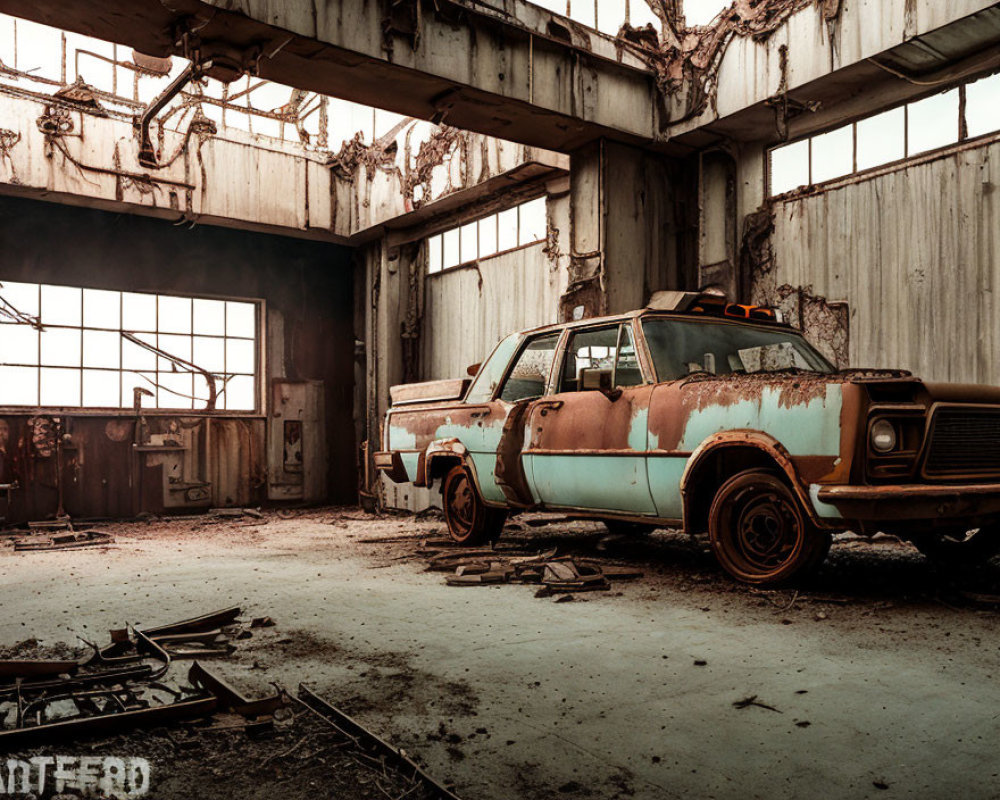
x=883, y=436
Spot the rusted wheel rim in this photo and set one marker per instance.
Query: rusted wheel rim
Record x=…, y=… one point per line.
x=461, y=504
x=767, y=532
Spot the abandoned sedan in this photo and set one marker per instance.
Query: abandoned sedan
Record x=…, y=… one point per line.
x=715, y=417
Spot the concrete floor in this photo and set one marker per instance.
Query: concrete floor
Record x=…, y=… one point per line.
x=882, y=686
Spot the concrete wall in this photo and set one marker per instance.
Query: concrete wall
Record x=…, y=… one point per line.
x=468, y=310
x=307, y=335
x=915, y=253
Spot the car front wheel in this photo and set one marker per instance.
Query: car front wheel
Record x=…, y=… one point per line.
x=470, y=521
x=760, y=533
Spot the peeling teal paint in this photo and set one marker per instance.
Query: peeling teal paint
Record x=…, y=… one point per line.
x=603, y=483
x=811, y=428
x=823, y=510
x=665, y=484
x=638, y=432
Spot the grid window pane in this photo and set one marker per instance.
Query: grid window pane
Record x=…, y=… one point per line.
x=174, y=314
x=239, y=395
x=102, y=349
x=60, y=387
x=451, y=251
x=60, y=347
x=507, y=230
x=434, y=253
x=22, y=296
x=177, y=346
x=102, y=309
x=142, y=380
x=239, y=356
x=209, y=354
x=532, y=222
x=210, y=317
x=882, y=139
x=136, y=357
x=241, y=319
x=176, y=389
x=982, y=106
x=833, y=154
x=470, y=242
x=932, y=122
x=790, y=167
x=101, y=388
x=62, y=305
x=138, y=311
x=488, y=236
x=18, y=386
x=18, y=344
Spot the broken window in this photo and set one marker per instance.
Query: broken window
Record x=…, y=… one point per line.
x=520, y=226
x=914, y=129
x=63, y=346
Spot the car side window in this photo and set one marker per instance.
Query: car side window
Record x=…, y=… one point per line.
x=601, y=358
x=530, y=373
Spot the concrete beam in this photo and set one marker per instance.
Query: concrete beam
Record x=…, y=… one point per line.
x=515, y=70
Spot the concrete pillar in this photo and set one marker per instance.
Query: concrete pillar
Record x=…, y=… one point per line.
x=634, y=224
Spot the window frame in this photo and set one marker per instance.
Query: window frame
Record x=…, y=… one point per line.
x=457, y=227
x=556, y=358
x=258, y=375
x=621, y=324
x=962, y=142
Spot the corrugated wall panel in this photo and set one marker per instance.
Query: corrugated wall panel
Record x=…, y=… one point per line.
x=469, y=310
x=916, y=254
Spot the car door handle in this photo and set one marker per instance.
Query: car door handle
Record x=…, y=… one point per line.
x=479, y=414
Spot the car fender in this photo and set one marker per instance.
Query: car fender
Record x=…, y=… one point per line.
x=438, y=450
x=747, y=438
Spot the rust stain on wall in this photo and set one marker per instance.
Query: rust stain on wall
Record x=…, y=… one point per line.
x=687, y=58
x=825, y=323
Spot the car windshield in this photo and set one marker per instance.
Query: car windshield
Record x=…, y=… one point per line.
x=683, y=347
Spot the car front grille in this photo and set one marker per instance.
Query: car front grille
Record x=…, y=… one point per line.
x=964, y=441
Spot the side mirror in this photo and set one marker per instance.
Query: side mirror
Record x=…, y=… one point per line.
x=473, y=370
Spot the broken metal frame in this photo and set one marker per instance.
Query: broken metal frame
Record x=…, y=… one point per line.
x=363, y=737
x=34, y=696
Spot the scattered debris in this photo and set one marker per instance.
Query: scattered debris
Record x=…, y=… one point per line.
x=262, y=622
x=120, y=686
x=746, y=702
x=71, y=540
x=379, y=751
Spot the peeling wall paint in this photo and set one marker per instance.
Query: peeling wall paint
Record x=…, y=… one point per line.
x=686, y=59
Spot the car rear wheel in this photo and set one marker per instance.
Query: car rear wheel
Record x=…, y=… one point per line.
x=760, y=533
x=470, y=521
x=961, y=548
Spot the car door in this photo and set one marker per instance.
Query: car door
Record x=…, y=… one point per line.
x=523, y=376
x=585, y=444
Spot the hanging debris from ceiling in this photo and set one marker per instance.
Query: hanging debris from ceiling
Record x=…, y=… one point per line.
x=686, y=59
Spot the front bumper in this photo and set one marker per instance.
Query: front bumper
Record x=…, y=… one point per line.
x=913, y=501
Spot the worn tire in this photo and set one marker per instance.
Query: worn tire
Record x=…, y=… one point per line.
x=470, y=521
x=960, y=548
x=619, y=527
x=759, y=532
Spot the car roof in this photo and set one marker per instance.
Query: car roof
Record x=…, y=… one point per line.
x=693, y=316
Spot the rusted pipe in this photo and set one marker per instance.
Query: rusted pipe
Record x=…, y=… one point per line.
x=147, y=155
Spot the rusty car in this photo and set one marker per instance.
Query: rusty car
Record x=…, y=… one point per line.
x=717, y=418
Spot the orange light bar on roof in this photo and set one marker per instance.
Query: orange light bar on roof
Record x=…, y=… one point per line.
x=719, y=306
